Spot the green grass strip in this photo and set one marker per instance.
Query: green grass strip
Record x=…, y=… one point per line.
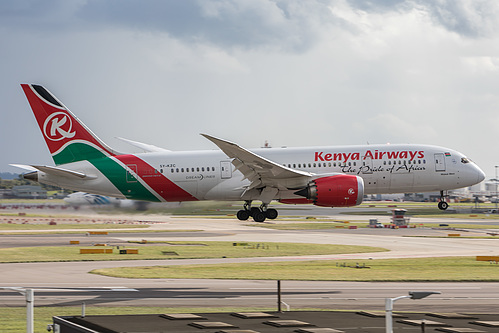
x=454, y=269
x=182, y=250
x=69, y=226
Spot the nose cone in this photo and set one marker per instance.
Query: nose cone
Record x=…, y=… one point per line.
x=481, y=175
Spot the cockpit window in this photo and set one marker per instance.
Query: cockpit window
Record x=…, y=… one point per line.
x=465, y=160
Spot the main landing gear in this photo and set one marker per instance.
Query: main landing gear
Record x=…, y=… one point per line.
x=258, y=214
x=443, y=205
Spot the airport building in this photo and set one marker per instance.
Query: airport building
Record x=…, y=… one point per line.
x=278, y=322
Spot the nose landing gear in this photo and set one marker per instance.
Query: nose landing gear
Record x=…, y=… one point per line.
x=443, y=205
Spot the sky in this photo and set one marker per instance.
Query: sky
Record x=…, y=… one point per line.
x=290, y=72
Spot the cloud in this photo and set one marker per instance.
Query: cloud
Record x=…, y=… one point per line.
x=246, y=24
x=295, y=73
x=468, y=18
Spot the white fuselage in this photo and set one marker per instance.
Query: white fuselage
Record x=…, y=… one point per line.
x=210, y=175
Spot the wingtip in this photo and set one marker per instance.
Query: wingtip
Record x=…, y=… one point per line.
x=206, y=135
x=210, y=137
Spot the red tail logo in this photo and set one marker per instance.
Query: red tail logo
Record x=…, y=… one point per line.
x=58, y=126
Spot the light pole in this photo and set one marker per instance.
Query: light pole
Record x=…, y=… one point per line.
x=30, y=298
x=495, y=181
x=389, y=305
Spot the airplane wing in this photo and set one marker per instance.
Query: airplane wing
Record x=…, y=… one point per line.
x=144, y=146
x=260, y=171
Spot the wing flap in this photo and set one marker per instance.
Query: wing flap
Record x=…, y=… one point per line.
x=261, y=172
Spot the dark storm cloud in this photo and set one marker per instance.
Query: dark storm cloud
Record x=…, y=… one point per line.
x=249, y=23
x=38, y=16
x=358, y=70
x=280, y=24
x=287, y=25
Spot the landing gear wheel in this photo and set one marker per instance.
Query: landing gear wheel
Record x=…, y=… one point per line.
x=259, y=217
x=442, y=205
x=254, y=211
x=271, y=213
x=243, y=215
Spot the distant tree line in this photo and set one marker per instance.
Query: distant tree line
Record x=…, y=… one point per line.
x=7, y=184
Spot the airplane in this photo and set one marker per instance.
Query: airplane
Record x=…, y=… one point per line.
x=328, y=176
x=78, y=199
x=89, y=199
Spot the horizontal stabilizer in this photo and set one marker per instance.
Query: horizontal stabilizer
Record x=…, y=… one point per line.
x=51, y=170
x=56, y=171
x=23, y=166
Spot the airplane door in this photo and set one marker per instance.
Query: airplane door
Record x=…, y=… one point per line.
x=367, y=166
x=130, y=178
x=439, y=162
x=226, y=169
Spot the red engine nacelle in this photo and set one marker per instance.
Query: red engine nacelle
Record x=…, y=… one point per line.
x=335, y=191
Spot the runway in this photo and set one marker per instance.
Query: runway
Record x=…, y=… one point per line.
x=298, y=294
x=455, y=297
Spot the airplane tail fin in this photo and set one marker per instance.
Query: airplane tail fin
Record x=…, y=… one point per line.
x=67, y=138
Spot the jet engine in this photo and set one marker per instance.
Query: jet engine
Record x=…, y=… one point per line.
x=335, y=191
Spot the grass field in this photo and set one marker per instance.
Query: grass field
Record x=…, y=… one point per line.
x=69, y=226
x=456, y=269
x=183, y=250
